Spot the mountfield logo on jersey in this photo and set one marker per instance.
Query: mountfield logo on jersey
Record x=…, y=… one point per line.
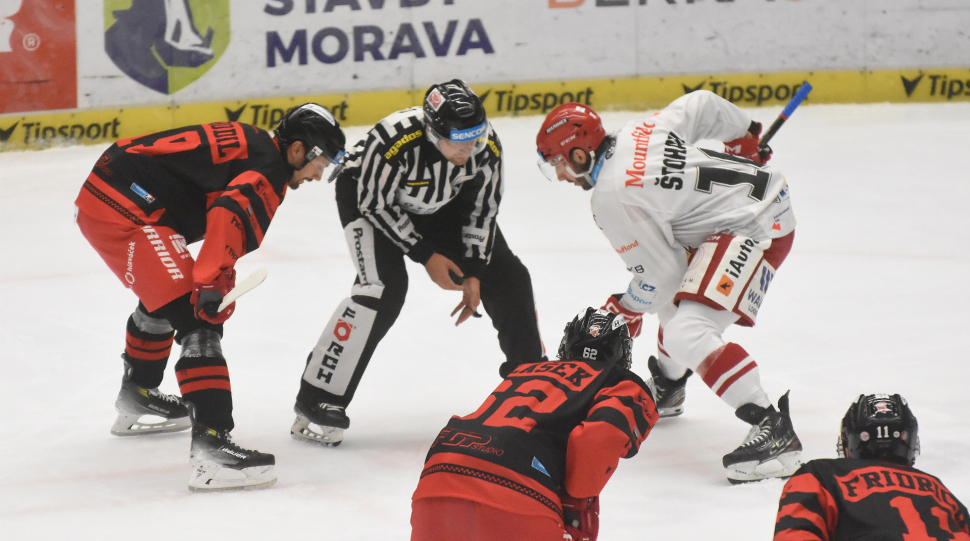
x=159, y=44
x=641, y=139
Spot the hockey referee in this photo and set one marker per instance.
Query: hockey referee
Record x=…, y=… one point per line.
x=425, y=183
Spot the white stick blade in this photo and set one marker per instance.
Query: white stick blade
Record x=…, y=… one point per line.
x=241, y=288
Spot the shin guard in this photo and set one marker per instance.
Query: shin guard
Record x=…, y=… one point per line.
x=148, y=342
x=339, y=353
x=204, y=379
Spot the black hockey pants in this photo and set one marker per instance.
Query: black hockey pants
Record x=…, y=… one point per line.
x=506, y=292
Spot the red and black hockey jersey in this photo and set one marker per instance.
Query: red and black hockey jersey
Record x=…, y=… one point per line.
x=548, y=428
x=847, y=499
x=223, y=181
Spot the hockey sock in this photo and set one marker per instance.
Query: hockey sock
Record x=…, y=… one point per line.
x=148, y=342
x=204, y=379
x=668, y=368
x=733, y=375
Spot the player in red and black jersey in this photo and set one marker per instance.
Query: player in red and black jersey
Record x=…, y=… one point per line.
x=532, y=460
x=873, y=491
x=144, y=201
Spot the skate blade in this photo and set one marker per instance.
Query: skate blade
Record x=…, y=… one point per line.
x=670, y=412
x=135, y=424
x=216, y=478
x=780, y=467
x=304, y=430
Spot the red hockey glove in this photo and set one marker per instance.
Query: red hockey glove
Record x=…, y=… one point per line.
x=206, y=298
x=581, y=517
x=747, y=146
x=634, y=320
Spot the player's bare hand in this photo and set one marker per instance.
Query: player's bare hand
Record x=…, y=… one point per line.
x=470, y=298
x=439, y=267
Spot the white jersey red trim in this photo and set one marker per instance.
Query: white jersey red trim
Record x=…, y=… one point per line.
x=657, y=194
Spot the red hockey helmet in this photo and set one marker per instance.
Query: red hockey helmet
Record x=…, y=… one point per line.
x=567, y=127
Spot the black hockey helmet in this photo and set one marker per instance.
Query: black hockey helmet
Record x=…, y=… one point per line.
x=880, y=426
x=597, y=335
x=315, y=127
x=453, y=111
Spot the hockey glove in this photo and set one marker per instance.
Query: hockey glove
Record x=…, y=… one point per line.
x=581, y=517
x=634, y=320
x=747, y=146
x=206, y=298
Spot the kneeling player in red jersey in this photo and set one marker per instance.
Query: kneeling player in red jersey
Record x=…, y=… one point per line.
x=873, y=491
x=144, y=201
x=531, y=462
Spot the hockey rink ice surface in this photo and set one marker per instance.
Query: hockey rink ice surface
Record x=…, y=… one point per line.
x=873, y=298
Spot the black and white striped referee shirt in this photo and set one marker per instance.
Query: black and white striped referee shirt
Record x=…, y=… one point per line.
x=400, y=172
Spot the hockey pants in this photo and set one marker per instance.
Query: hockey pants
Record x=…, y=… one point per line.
x=347, y=343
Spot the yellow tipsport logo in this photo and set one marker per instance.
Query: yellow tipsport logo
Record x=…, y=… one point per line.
x=401, y=142
x=21, y=131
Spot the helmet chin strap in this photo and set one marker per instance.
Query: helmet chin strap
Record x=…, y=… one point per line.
x=592, y=169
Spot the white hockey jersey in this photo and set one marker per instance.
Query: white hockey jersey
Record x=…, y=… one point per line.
x=657, y=195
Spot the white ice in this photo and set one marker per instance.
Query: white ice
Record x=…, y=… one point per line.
x=873, y=298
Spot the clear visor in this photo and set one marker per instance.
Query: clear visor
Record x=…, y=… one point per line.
x=551, y=167
x=316, y=151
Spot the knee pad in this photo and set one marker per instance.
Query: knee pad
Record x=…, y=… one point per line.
x=145, y=322
x=341, y=345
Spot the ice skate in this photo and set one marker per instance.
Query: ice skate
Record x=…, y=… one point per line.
x=670, y=393
x=147, y=411
x=219, y=464
x=321, y=423
x=771, y=448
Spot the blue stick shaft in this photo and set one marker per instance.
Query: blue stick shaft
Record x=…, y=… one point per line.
x=796, y=100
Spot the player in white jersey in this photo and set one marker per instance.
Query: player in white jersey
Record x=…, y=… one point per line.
x=703, y=233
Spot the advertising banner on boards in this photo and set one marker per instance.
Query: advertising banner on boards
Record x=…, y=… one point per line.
x=38, y=55
x=155, y=52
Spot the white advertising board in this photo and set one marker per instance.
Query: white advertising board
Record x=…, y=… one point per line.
x=211, y=50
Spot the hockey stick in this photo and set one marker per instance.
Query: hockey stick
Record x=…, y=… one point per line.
x=243, y=287
x=796, y=100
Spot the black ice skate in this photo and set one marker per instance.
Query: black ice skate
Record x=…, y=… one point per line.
x=320, y=423
x=219, y=464
x=147, y=411
x=671, y=393
x=771, y=448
